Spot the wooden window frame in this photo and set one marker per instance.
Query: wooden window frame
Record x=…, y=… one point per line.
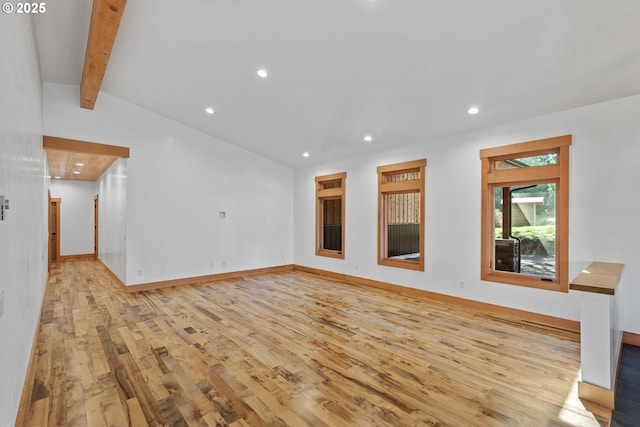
x=556, y=173
x=329, y=194
x=399, y=187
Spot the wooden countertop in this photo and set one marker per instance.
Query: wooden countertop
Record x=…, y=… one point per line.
x=599, y=277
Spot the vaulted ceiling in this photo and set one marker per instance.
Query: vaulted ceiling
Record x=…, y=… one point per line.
x=400, y=71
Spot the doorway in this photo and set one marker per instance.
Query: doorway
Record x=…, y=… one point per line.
x=54, y=229
x=95, y=226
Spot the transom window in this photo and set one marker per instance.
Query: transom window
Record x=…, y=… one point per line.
x=330, y=192
x=401, y=215
x=525, y=207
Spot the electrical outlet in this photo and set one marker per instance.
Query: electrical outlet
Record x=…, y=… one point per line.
x=222, y=214
x=461, y=284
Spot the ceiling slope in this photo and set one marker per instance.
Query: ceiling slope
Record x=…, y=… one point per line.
x=401, y=72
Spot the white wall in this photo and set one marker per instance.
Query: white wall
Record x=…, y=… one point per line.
x=112, y=218
x=23, y=240
x=604, y=201
x=178, y=180
x=76, y=215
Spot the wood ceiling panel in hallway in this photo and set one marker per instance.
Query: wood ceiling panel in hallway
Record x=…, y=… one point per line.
x=79, y=160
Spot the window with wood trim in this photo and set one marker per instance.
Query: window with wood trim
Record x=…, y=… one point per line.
x=525, y=214
x=401, y=215
x=330, y=191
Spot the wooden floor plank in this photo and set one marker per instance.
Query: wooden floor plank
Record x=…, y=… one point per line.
x=136, y=415
x=291, y=349
x=39, y=413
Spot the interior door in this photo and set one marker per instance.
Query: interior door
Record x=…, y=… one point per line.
x=49, y=232
x=95, y=226
x=54, y=229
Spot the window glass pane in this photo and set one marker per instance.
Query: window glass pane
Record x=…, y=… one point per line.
x=525, y=229
x=403, y=225
x=403, y=176
x=331, y=184
x=332, y=224
x=526, y=162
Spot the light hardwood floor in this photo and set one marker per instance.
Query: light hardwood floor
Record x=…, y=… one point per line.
x=290, y=349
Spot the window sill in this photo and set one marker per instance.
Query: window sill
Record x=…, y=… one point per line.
x=398, y=263
x=330, y=254
x=525, y=280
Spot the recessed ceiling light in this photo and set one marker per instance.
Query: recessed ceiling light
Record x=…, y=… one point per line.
x=305, y=154
x=209, y=110
x=473, y=110
x=263, y=73
x=368, y=138
x=79, y=164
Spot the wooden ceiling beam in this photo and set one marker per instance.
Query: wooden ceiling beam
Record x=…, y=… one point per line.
x=105, y=21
